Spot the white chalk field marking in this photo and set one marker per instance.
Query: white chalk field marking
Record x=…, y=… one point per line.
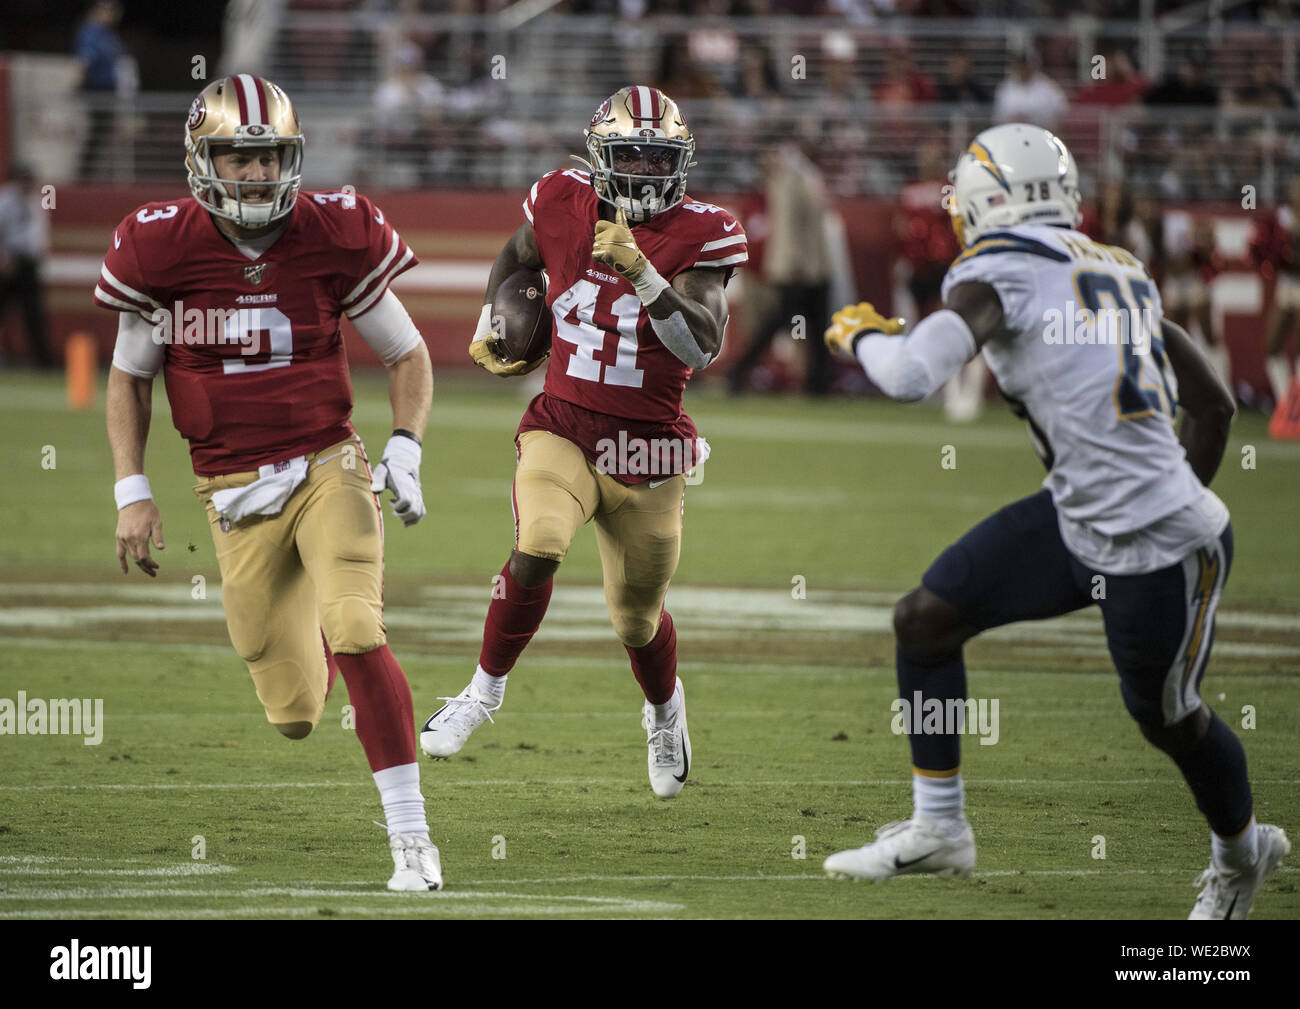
x=454, y=613
x=182, y=869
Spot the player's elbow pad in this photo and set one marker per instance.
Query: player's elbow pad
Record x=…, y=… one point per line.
x=676, y=335
x=911, y=369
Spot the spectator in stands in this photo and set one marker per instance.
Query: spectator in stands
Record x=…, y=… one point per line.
x=714, y=45
x=98, y=49
x=408, y=110
x=904, y=83
x=844, y=95
x=679, y=75
x=24, y=244
x=1189, y=87
x=1264, y=91
x=959, y=86
x=927, y=246
x=1191, y=262
x=1027, y=95
x=797, y=264
x=1275, y=250
x=1122, y=84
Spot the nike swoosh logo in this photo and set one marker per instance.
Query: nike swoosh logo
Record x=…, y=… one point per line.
x=686, y=769
x=322, y=462
x=729, y=227
x=913, y=861
x=657, y=483
x=379, y=216
x=117, y=242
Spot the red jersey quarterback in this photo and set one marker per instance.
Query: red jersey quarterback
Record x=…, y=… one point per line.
x=636, y=275
x=236, y=296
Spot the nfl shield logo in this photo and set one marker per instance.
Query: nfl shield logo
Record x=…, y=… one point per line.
x=253, y=274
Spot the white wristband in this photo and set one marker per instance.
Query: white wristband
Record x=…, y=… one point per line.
x=131, y=489
x=650, y=285
x=484, y=323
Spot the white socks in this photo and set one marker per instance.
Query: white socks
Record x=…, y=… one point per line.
x=666, y=712
x=399, y=791
x=1235, y=853
x=939, y=800
x=491, y=688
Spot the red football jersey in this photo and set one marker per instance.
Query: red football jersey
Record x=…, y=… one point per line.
x=212, y=306
x=608, y=370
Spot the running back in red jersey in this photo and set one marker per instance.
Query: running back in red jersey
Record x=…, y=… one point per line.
x=605, y=356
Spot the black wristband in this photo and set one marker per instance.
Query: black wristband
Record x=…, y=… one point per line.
x=407, y=434
x=859, y=335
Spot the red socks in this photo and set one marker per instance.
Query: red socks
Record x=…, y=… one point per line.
x=512, y=619
x=381, y=696
x=655, y=665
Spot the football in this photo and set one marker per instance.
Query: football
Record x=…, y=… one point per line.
x=520, y=316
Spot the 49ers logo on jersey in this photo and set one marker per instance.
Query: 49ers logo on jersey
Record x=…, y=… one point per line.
x=198, y=113
x=253, y=274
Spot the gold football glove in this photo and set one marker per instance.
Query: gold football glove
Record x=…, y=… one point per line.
x=485, y=355
x=851, y=320
x=615, y=246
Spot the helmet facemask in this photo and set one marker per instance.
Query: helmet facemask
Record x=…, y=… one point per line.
x=225, y=197
x=656, y=181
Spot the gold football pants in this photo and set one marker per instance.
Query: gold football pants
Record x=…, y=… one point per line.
x=638, y=527
x=318, y=565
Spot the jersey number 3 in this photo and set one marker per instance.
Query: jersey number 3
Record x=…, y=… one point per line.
x=580, y=322
x=259, y=330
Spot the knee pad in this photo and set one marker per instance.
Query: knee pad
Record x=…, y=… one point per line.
x=294, y=730
x=635, y=629
x=352, y=625
x=546, y=536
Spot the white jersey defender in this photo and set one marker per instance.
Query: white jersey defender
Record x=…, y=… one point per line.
x=1083, y=362
x=1073, y=331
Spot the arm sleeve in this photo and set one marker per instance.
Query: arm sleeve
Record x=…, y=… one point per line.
x=386, y=255
x=388, y=329
x=136, y=352
x=914, y=367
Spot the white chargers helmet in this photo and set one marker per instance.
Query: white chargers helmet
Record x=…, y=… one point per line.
x=1013, y=174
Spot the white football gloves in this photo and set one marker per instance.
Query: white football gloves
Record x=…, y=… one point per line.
x=399, y=472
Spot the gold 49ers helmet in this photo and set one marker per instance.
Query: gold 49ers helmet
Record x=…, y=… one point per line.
x=244, y=112
x=640, y=150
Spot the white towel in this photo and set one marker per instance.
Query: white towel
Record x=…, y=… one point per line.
x=266, y=495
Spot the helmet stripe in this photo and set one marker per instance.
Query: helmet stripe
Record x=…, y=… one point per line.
x=237, y=86
x=252, y=108
x=641, y=108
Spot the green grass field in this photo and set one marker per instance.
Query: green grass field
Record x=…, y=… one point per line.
x=789, y=692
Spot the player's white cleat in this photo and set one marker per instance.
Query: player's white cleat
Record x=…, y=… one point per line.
x=908, y=846
x=416, y=864
x=448, y=728
x=669, y=755
x=1231, y=895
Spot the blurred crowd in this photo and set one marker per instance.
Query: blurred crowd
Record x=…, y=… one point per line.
x=866, y=100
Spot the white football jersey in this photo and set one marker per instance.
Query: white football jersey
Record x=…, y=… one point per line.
x=1084, y=364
